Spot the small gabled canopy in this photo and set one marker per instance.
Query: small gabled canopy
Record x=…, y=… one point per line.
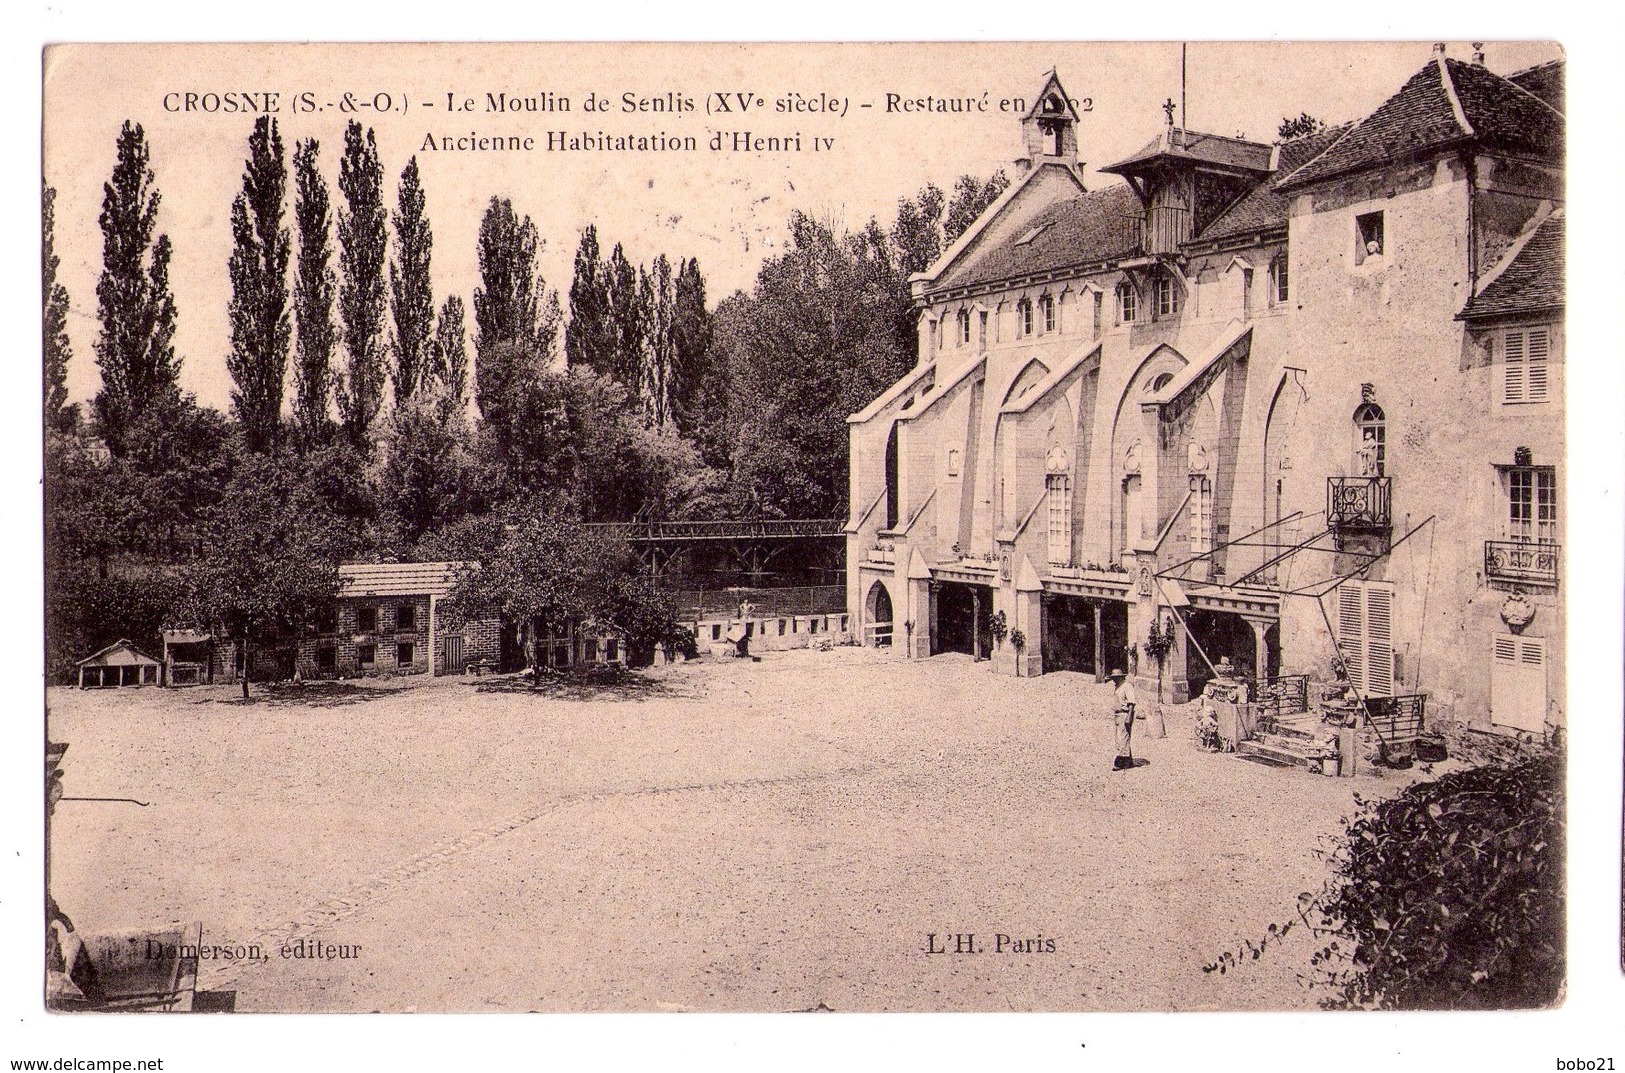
x=120, y=653
x=1191, y=148
x=1052, y=100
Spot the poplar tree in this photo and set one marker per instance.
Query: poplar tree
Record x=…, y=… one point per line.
x=626, y=315
x=312, y=296
x=260, y=327
x=657, y=299
x=136, y=346
x=58, y=348
x=362, y=242
x=411, y=293
x=451, y=352
x=590, y=339
x=690, y=393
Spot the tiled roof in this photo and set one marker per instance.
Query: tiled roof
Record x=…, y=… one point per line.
x=1545, y=82
x=1080, y=230
x=397, y=579
x=1532, y=282
x=1429, y=112
x=119, y=654
x=1264, y=207
x=1203, y=148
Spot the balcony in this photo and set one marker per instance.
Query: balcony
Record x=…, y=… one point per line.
x=1520, y=562
x=1155, y=231
x=1359, y=502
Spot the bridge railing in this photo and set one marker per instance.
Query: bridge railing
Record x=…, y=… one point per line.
x=722, y=530
x=695, y=604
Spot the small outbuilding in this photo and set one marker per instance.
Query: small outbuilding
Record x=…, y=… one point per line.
x=119, y=664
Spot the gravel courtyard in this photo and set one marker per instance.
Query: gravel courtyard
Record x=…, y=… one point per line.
x=719, y=835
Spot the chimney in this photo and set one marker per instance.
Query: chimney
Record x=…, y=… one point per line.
x=1478, y=53
x=1438, y=48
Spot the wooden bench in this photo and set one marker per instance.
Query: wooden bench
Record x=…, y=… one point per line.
x=1398, y=723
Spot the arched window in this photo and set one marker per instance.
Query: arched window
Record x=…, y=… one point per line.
x=1158, y=382
x=1058, y=506
x=1371, y=441
x=1201, y=515
x=1127, y=304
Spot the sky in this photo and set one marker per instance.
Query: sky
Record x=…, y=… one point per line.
x=727, y=208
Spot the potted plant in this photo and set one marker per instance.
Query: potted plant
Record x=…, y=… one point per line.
x=1018, y=641
x=1159, y=641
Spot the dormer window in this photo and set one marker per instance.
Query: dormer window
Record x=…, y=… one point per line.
x=1368, y=237
x=1046, y=309
x=964, y=327
x=1024, y=317
x=1127, y=303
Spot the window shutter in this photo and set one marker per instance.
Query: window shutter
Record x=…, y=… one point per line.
x=1518, y=682
x=1351, y=633
x=1513, y=368
x=1537, y=351
x=1379, y=608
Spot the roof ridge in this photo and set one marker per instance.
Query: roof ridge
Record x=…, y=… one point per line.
x=1449, y=85
x=1353, y=125
x=1526, y=91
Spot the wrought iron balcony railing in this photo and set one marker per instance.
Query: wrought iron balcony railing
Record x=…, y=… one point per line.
x=1522, y=562
x=1359, y=502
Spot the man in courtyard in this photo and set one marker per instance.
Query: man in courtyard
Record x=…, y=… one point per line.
x=1127, y=699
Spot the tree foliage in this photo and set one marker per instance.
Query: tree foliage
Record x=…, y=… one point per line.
x=1449, y=896
x=411, y=291
x=260, y=327
x=363, y=239
x=451, y=353
x=135, y=348
x=313, y=296
x=589, y=339
x=1304, y=125
x=268, y=565
x=58, y=348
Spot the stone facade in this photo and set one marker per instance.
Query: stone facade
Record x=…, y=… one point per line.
x=1256, y=396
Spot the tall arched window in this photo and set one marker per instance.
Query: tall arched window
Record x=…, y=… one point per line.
x=1370, y=441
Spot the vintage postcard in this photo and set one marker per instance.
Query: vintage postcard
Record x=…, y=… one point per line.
x=805, y=527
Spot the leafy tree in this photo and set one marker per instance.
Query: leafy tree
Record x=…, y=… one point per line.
x=362, y=241
x=1300, y=127
x=815, y=341
x=313, y=296
x=410, y=288
x=917, y=233
x=695, y=402
x=626, y=313
x=269, y=560
x=427, y=476
x=506, y=308
x=451, y=353
x=620, y=601
x=657, y=297
x=590, y=339
x=972, y=196
x=135, y=348
x=260, y=328
x=59, y=416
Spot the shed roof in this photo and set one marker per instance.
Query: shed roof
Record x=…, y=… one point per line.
x=120, y=653
x=397, y=579
x=1528, y=280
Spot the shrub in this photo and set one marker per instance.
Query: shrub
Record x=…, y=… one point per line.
x=1446, y=897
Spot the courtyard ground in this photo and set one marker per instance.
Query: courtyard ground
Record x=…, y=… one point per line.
x=718, y=835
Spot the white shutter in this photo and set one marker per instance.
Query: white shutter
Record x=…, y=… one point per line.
x=1537, y=351
x=1513, y=368
x=1351, y=632
x=1518, y=682
x=1365, y=633
x=1379, y=615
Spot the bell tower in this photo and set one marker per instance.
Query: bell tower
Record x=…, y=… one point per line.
x=1049, y=130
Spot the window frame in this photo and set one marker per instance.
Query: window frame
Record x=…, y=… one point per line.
x=1046, y=307
x=405, y=653
x=366, y=619
x=1127, y=303
x=406, y=618
x=1369, y=226
x=1024, y=318
x=1280, y=281
x=1058, y=518
x=1165, y=296
x=1530, y=366
x=1530, y=495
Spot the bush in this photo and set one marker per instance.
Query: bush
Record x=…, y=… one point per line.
x=1446, y=897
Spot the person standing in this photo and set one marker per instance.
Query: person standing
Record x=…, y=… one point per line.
x=1127, y=699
